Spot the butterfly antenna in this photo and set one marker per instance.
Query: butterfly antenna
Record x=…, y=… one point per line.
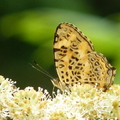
x=40, y=69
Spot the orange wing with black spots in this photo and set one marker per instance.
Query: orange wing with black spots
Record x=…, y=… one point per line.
x=77, y=62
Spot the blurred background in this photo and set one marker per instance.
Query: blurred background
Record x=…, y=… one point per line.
x=27, y=31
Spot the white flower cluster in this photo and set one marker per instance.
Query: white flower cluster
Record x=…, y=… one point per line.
x=83, y=102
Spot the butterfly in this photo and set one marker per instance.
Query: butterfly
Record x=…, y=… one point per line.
x=76, y=61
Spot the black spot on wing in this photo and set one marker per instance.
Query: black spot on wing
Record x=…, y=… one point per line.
x=63, y=47
x=56, y=50
x=75, y=58
x=70, y=67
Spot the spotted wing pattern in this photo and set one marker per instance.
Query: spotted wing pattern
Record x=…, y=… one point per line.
x=76, y=61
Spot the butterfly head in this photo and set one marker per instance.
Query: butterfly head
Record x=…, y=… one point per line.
x=57, y=83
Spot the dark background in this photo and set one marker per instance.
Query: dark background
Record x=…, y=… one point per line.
x=27, y=31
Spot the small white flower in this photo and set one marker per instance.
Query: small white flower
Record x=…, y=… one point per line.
x=28, y=104
x=7, y=90
x=83, y=102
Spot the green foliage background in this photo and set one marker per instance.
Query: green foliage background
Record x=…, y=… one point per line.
x=27, y=32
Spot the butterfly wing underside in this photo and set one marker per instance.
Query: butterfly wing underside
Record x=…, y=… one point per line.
x=76, y=62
